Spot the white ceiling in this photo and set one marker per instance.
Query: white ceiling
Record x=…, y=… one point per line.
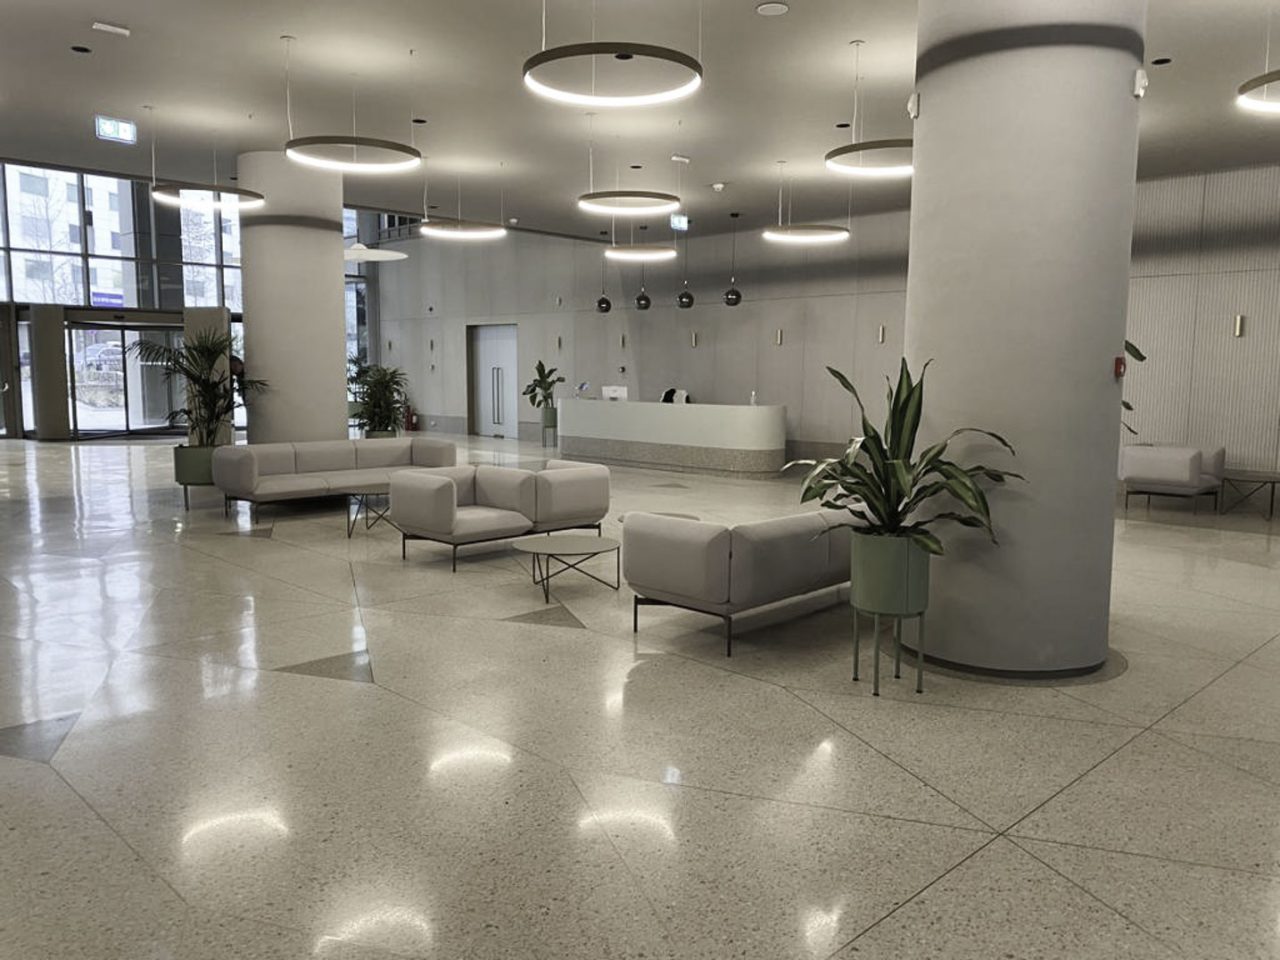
x=774, y=90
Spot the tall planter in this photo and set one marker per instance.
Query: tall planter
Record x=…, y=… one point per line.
x=889, y=575
x=549, y=418
x=193, y=466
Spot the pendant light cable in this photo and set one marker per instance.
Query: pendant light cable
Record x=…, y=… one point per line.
x=151, y=113
x=288, y=85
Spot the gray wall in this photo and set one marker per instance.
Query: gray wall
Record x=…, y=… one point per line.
x=1206, y=247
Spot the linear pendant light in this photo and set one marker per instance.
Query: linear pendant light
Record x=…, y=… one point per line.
x=342, y=153
x=861, y=158
x=801, y=234
x=534, y=71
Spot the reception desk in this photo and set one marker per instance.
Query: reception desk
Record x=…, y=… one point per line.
x=675, y=436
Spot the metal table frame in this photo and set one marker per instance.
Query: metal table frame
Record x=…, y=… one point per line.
x=542, y=573
x=1255, y=482
x=372, y=515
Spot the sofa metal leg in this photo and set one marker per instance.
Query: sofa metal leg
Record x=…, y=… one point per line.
x=728, y=636
x=635, y=614
x=226, y=506
x=186, y=497
x=920, y=655
x=857, y=638
x=404, y=547
x=897, y=649
x=455, y=558
x=875, y=629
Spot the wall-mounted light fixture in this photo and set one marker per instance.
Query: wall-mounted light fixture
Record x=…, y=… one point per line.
x=1239, y=327
x=777, y=337
x=882, y=333
x=693, y=339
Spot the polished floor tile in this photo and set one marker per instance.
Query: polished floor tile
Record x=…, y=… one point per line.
x=221, y=738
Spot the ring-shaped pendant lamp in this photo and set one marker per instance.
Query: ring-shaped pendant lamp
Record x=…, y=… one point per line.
x=629, y=203
x=209, y=196
x=619, y=51
x=462, y=230
x=806, y=234
x=847, y=160
x=359, y=253
x=1246, y=100
x=396, y=157
x=641, y=253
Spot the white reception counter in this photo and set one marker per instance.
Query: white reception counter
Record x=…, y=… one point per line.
x=675, y=436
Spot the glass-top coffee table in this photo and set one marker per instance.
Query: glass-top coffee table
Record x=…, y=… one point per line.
x=572, y=550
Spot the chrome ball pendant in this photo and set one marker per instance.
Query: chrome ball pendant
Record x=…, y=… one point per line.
x=732, y=297
x=642, y=301
x=685, y=300
x=604, y=304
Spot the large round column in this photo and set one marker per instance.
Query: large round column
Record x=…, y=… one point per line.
x=294, y=309
x=1021, y=217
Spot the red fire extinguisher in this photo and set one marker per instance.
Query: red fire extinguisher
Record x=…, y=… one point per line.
x=410, y=420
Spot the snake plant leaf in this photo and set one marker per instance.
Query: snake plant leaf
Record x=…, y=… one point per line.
x=848, y=385
x=993, y=474
x=1132, y=350
x=928, y=541
x=1126, y=405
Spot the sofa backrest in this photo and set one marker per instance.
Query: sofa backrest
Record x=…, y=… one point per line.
x=318, y=456
x=569, y=491
x=782, y=557
x=507, y=488
x=1168, y=465
x=1213, y=462
x=389, y=452
x=430, y=452
x=678, y=557
x=272, y=459
x=464, y=479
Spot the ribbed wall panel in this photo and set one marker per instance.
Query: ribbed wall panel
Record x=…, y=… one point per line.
x=1168, y=216
x=1241, y=228
x=1235, y=381
x=1162, y=313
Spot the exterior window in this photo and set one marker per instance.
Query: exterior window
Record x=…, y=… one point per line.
x=115, y=240
x=113, y=202
x=33, y=184
x=38, y=270
x=73, y=235
x=47, y=278
x=72, y=195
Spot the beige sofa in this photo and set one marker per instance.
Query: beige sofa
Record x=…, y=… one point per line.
x=267, y=472
x=723, y=571
x=480, y=504
x=1172, y=472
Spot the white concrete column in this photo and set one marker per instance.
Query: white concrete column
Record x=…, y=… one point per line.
x=1021, y=217
x=50, y=389
x=294, y=313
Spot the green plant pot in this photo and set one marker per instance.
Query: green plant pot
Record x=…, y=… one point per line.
x=549, y=417
x=193, y=466
x=379, y=434
x=888, y=575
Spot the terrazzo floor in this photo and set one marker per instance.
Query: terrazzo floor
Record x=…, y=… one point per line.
x=220, y=739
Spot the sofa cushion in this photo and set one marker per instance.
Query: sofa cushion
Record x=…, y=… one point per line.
x=782, y=557
x=293, y=486
x=464, y=479
x=357, y=481
x=488, y=523
x=507, y=489
x=316, y=456
x=677, y=557
x=423, y=502
x=1171, y=466
x=392, y=452
x=274, y=458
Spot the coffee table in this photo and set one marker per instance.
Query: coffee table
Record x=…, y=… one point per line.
x=572, y=550
x=1255, y=480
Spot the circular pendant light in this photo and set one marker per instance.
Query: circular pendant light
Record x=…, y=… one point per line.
x=641, y=253
x=462, y=230
x=367, y=154
x=684, y=300
x=1251, y=95
x=643, y=300
x=850, y=160
x=733, y=296
x=624, y=52
x=629, y=203
x=359, y=253
x=207, y=196
x=802, y=234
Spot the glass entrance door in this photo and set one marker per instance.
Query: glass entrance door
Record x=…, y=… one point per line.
x=112, y=391
x=10, y=389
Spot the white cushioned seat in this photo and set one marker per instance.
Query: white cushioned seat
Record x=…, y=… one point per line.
x=1171, y=471
x=296, y=486
x=358, y=481
x=570, y=494
x=488, y=523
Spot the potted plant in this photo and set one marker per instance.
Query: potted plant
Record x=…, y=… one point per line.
x=356, y=368
x=886, y=488
x=215, y=386
x=541, y=392
x=383, y=395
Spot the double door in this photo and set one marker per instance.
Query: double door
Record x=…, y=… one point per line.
x=112, y=391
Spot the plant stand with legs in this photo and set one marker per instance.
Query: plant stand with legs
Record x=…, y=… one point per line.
x=897, y=647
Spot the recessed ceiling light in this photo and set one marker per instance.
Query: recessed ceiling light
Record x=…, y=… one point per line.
x=79, y=48
x=842, y=125
x=718, y=186
x=419, y=120
x=637, y=166
x=1161, y=61
x=114, y=28
x=513, y=220
x=772, y=8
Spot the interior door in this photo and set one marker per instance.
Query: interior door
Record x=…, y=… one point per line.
x=494, y=391
x=10, y=380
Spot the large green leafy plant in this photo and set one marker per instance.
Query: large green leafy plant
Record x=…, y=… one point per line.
x=383, y=395
x=888, y=488
x=213, y=389
x=541, y=391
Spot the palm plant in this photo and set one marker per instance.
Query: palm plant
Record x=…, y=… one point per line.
x=884, y=485
x=541, y=390
x=214, y=390
x=383, y=395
